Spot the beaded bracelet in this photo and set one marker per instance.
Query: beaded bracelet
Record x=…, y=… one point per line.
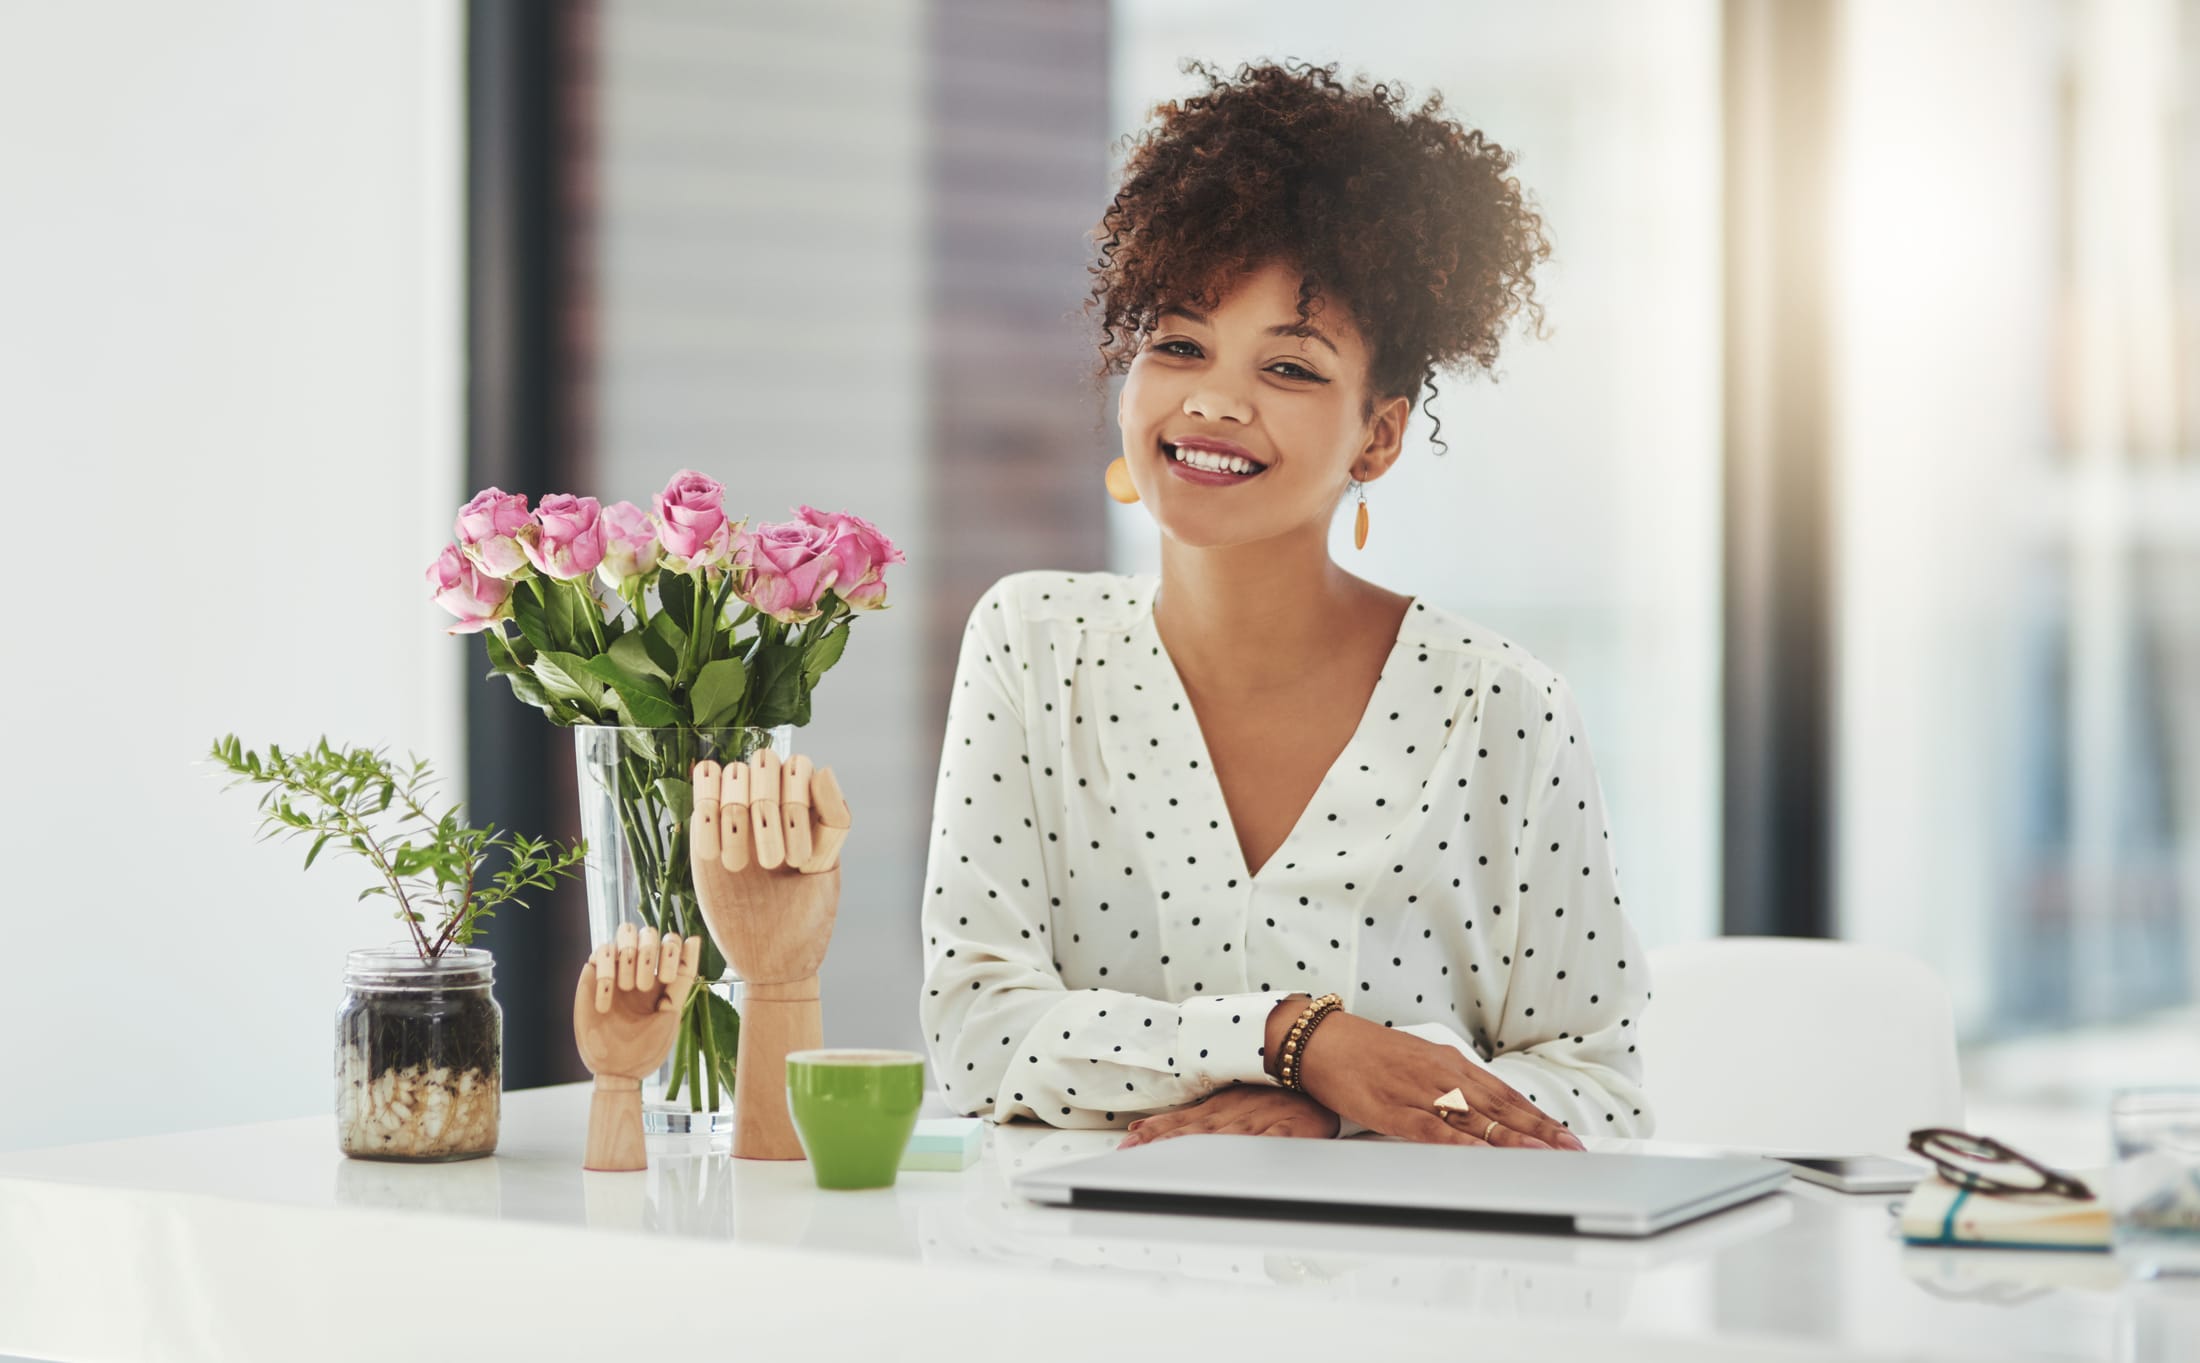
x=1295, y=1043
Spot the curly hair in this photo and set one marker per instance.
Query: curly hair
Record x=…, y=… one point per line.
x=1408, y=221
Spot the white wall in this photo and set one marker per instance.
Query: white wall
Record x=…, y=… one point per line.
x=229, y=403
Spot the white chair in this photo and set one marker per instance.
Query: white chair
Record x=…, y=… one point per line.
x=1797, y=1044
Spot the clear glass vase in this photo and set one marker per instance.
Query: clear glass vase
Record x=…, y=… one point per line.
x=635, y=803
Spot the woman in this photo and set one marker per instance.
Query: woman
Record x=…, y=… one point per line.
x=1174, y=810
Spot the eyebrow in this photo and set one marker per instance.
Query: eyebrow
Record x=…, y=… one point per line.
x=1282, y=329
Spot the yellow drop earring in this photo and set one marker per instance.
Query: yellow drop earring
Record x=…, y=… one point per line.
x=1120, y=486
x=1359, y=522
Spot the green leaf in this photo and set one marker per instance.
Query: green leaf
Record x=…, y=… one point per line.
x=716, y=695
x=631, y=651
x=563, y=607
x=679, y=798
x=501, y=661
x=724, y=1023
x=644, y=700
x=666, y=642
x=777, y=690
x=568, y=676
x=676, y=593
x=824, y=652
x=318, y=844
x=529, y=613
x=528, y=689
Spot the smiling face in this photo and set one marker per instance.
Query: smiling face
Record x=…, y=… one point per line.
x=1245, y=385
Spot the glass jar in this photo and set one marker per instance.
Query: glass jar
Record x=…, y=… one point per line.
x=419, y=1055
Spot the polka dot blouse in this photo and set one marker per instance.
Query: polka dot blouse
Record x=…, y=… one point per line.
x=1094, y=949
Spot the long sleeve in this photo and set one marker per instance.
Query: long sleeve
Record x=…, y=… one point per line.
x=1005, y=1035
x=1565, y=1031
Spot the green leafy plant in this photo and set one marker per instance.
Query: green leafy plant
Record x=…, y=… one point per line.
x=430, y=865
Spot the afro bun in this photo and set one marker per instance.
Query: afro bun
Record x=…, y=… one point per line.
x=1403, y=218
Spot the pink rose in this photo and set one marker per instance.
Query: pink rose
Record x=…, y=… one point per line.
x=488, y=530
x=469, y=592
x=630, y=546
x=785, y=569
x=691, y=521
x=566, y=538
x=861, y=551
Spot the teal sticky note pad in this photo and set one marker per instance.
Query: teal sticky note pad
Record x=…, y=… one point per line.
x=950, y=1143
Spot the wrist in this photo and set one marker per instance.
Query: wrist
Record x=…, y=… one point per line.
x=617, y=1083
x=803, y=990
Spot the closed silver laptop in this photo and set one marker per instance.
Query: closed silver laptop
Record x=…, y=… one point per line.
x=1406, y=1182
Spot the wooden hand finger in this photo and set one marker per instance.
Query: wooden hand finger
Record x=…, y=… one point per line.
x=629, y=942
x=645, y=960
x=606, y=966
x=704, y=824
x=794, y=810
x=764, y=818
x=675, y=966
x=584, y=994
x=834, y=819
x=733, y=817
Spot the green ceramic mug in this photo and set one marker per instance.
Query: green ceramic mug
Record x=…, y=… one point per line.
x=854, y=1111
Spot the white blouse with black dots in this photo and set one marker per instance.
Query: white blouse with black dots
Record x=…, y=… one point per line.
x=1095, y=950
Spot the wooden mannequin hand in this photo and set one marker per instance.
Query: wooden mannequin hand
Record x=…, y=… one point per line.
x=626, y=1009
x=766, y=849
x=628, y=1004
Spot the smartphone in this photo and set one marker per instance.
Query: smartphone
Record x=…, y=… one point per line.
x=1857, y=1173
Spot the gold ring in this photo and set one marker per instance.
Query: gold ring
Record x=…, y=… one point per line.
x=1487, y=1130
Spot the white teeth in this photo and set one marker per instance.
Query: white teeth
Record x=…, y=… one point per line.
x=1216, y=463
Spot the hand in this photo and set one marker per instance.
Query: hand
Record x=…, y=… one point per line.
x=626, y=1009
x=766, y=846
x=1388, y=1080
x=1239, y=1109
x=627, y=1006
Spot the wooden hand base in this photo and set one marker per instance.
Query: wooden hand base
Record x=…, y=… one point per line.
x=776, y=1020
x=615, y=1126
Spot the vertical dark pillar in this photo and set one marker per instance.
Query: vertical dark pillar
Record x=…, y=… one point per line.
x=1779, y=541
x=523, y=361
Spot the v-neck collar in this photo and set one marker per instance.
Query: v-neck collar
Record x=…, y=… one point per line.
x=1192, y=738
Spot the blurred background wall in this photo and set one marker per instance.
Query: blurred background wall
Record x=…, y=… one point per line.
x=1855, y=486
x=231, y=402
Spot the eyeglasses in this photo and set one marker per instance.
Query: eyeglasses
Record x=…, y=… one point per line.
x=1957, y=1156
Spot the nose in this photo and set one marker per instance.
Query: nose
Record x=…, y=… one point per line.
x=1215, y=401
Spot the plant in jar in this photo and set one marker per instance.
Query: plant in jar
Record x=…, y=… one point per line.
x=419, y=1043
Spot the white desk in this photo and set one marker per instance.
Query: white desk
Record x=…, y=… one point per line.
x=263, y=1242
